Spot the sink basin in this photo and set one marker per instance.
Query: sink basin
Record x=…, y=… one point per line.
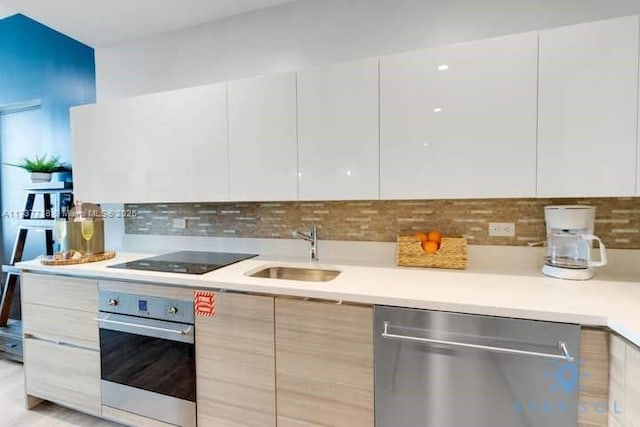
x=294, y=273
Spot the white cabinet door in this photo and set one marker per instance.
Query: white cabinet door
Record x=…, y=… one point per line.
x=588, y=109
x=103, y=152
x=263, y=160
x=338, y=132
x=459, y=121
x=166, y=147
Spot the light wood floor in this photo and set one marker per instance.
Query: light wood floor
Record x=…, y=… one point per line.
x=13, y=414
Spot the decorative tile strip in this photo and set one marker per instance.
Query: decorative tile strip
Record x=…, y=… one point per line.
x=617, y=219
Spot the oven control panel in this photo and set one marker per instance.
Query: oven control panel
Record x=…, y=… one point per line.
x=174, y=310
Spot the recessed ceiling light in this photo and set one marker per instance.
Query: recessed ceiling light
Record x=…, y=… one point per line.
x=443, y=67
x=437, y=110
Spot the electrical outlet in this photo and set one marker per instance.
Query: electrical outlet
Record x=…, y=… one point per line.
x=180, y=223
x=502, y=229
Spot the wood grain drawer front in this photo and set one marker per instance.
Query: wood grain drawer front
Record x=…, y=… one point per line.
x=58, y=324
x=324, y=364
x=235, y=363
x=594, y=377
x=60, y=291
x=66, y=375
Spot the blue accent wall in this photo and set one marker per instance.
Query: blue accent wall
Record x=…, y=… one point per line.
x=37, y=62
x=43, y=65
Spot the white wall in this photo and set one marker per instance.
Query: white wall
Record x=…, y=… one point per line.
x=315, y=32
x=5, y=12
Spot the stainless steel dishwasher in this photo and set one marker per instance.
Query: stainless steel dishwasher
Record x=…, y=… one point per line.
x=441, y=369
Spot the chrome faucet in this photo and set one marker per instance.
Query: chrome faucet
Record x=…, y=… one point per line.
x=312, y=237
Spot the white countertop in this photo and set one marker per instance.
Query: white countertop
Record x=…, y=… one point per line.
x=605, y=301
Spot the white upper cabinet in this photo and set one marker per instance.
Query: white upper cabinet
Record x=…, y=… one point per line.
x=103, y=152
x=551, y=114
x=460, y=121
x=588, y=109
x=338, y=132
x=263, y=161
x=166, y=147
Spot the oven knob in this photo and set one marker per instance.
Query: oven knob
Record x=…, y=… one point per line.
x=173, y=310
x=113, y=302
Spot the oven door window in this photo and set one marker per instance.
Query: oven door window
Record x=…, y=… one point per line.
x=154, y=364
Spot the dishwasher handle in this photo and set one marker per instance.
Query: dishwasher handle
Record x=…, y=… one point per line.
x=562, y=346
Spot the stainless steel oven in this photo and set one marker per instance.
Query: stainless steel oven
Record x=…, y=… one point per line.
x=147, y=356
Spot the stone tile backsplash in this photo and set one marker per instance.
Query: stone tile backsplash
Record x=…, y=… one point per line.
x=617, y=219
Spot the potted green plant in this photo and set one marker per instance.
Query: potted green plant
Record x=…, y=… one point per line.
x=39, y=168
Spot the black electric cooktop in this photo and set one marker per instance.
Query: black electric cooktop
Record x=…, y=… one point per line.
x=189, y=262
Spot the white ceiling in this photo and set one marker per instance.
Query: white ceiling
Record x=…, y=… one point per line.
x=107, y=22
x=5, y=11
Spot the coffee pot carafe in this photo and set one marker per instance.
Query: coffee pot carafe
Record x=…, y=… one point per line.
x=570, y=241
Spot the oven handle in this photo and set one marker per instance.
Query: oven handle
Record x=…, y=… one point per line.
x=146, y=327
x=153, y=328
x=562, y=346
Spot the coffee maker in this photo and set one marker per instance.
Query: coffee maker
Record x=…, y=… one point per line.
x=569, y=242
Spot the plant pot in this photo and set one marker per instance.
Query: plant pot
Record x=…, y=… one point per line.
x=36, y=177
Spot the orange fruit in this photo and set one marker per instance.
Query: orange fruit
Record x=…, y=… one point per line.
x=430, y=247
x=422, y=236
x=435, y=236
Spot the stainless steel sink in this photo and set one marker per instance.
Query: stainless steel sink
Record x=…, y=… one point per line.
x=294, y=273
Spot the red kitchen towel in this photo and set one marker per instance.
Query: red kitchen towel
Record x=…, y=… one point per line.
x=205, y=303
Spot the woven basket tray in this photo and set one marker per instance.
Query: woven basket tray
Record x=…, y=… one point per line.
x=48, y=260
x=452, y=253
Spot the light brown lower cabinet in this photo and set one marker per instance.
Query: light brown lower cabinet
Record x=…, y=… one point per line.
x=593, y=396
x=60, y=324
x=289, y=363
x=63, y=374
x=624, y=383
x=610, y=381
x=263, y=361
x=324, y=364
x=235, y=363
x=61, y=350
